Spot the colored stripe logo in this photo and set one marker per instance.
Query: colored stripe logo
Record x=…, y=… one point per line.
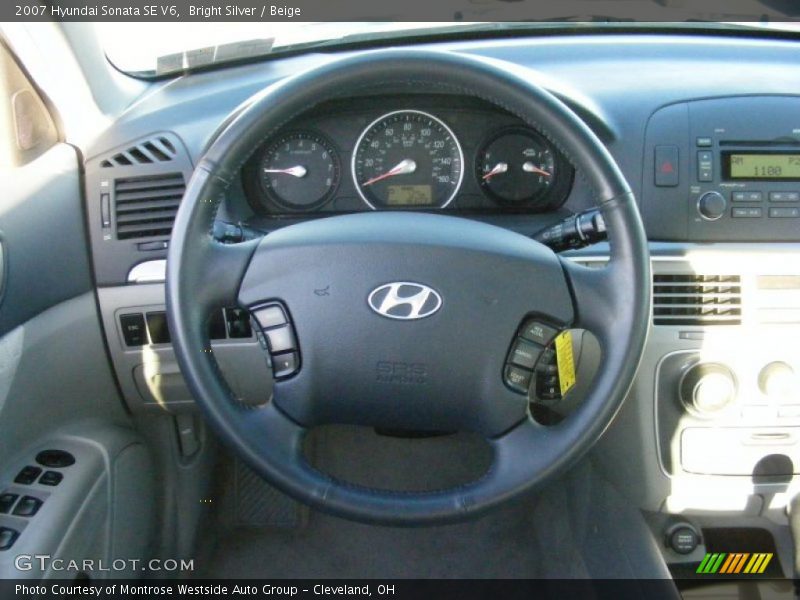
x=734, y=563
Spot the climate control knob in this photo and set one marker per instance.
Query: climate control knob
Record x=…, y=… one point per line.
x=711, y=206
x=778, y=381
x=707, y=388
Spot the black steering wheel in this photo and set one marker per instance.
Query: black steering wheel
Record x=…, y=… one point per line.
x=488, y=281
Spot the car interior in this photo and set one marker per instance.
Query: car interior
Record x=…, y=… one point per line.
x=501, y=303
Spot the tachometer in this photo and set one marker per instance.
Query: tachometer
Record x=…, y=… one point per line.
x=407, y=159
x=299, y=170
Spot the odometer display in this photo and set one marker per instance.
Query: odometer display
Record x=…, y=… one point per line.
x=407, y=159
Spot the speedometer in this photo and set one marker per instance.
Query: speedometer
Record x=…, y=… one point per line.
x=407, y=159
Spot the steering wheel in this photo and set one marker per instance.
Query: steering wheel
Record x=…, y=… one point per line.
x=444, y=372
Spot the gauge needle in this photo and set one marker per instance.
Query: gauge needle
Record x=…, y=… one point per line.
x=298, y=171
x=404, y=167
x=529, y=167
x=500, y=167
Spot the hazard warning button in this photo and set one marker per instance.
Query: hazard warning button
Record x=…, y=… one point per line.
x=666, y=166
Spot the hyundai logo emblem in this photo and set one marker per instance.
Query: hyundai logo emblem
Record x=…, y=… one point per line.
x=404, y=300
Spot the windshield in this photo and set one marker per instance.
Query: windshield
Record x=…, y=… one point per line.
x=175, y=47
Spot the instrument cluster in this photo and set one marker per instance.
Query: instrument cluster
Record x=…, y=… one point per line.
x=408, y=159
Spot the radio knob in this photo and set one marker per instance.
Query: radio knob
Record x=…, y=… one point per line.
x=711, y=206
x=708, y=388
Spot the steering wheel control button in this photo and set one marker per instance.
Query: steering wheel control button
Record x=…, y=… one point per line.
x=7, y=537
x=548, y=384
x=7, y=501
x=55, y=459
x=284, y=365
x=270, y=316
x=133, y=329
x=51, y=478
x=27, y=475
x=278, y=332
x=524, y=354
x=280, y=339
x=28, y=506
x=518, y=379
x=538, y=332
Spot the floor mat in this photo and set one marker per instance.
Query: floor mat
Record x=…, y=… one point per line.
x=498, y=545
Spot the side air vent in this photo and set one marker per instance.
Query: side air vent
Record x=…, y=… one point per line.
x=146, y=206
x=158, y=149
x=697, y=300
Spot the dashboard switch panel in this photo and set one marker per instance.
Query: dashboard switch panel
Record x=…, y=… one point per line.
x=133, y=329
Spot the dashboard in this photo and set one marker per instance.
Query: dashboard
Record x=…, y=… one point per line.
x=712, y=158
x=423, y=152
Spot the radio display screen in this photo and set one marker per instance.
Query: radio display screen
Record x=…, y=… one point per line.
x=769, y=166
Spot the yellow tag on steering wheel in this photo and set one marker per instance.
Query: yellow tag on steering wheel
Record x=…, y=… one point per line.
x=566, y=362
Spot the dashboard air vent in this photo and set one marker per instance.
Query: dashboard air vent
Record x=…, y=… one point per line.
x=146, y=206
x=697, y=299
x=155, y=150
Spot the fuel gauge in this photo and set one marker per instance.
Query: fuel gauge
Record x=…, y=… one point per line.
x=516, y=167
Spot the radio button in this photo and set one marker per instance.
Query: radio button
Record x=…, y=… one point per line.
x=784, y=212
x=704, y=142
x=784, y=196
x=747, y=196
x=746, y=212
x=705, y=166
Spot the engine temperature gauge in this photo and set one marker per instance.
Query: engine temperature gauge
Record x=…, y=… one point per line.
x=516, y=166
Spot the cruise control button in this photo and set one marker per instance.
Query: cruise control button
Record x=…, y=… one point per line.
x=518, y=379
x=270, y=316
x=28, y=506
x=524, y=354
x=7, y=501
x=7, y=537
x=540, y=333
x=280, y=339
x=284, y=365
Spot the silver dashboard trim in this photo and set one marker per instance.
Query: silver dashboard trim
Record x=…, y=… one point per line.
x=151, y=271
